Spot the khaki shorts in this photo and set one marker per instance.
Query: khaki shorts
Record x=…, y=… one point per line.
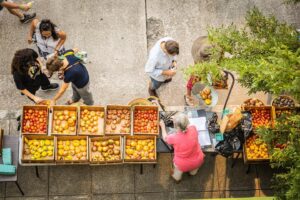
x=177, y=174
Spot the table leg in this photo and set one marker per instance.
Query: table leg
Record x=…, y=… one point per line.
x=234, y=159
x=37, y=171
x=141, y=169
x=19, y=188
x=248, y=169
x=154, y=165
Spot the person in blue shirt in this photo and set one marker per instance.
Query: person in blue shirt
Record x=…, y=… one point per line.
x=73, y=72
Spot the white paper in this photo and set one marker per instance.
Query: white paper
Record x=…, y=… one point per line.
x=199, y=122
x=203, y=138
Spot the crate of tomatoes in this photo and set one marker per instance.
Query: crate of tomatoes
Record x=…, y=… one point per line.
x=34, y=120
x=118, y=120
x=261, y=116
x=91, y=120
x=145, y=120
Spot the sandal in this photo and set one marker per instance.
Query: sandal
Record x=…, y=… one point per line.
x=188, y=100
x=69, y=102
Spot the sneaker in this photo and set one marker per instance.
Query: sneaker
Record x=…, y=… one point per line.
x=52, y=86
x=27, y=18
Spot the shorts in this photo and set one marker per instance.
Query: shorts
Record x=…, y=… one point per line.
x=155, y=84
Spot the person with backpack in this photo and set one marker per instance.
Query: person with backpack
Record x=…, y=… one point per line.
x=73, y=72
x=14, y=8
x=28, y=76
x=48, y=38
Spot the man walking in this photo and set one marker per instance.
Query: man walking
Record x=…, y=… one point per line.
x=161, y=64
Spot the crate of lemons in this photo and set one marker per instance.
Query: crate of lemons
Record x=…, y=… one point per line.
x=256, y=149
x=38, y=149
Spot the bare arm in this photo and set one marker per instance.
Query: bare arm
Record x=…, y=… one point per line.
x=61, y=91
x=163, y=130
x=31, y=96
x=12, y=5
x=169, y=72
x=63, y=36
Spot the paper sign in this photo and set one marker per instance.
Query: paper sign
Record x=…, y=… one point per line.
x=203, y=138
x=200, y=123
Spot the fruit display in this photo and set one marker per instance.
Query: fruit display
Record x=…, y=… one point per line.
x=35, y=120
x=253, y=102
x=118, y=120
x=38, y=148
x=71, y=148
x=140, y=148
x=280, y=112
x=256, y=149
x=205, y=94
x=261, y=117
x=106, y=149
x=64, y=121
x=91, y=121
x=145, y=120
x=46, y=102
x=283, y=101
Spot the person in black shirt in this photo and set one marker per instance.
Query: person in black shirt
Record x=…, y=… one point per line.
x=27, y=74
x=74, y=72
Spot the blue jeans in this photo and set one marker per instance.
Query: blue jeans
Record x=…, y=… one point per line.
x=155, y=84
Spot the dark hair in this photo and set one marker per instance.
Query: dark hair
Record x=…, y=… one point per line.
x=54, y=64
x=172, y=47
x=22, y=59
x=47, y=25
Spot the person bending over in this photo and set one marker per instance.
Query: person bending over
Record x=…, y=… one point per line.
x=188, y=156
x=28, y=76
x=74, y=72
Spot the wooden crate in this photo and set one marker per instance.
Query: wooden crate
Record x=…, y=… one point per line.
x=101, y=121
x=55, y=109
x=64, y=138
x=35, y=107
x=283, y=109
x=107, y=120
x=28, y=159
x=270, y=108
x=141, y=107
x=100, y=139
x=141, y=137
x=253, y=161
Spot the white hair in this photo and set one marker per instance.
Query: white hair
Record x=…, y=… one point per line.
x=181, y=122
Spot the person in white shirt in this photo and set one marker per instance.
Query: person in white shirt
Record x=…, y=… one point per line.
x=161, y=64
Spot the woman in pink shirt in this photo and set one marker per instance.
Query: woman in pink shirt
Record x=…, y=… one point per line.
x=188, y=156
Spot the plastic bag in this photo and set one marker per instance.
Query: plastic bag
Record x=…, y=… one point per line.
x=212, y=124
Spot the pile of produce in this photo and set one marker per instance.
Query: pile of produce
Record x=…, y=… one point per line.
x=256, y=148
x=72, y=149
x=106, y=150
x=38, y=149
x=283, y=112
x=205, y=94
x=261, y=117
x=91, y=122
x=283, y=101
x=35, y=121
x=64, y=122
x=118, y=121
x=140, y=149
x=253, y=102
x=146, y=121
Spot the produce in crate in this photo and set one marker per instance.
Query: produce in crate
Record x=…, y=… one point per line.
x=283, y=101
x=282, y=112
x=205, y=94
x=72, y=150
x=64, y=122
x=256, y=148
x=91, y=122
x=146, y=121
x=253, y=102
x=106, y=150
x=35, y=121
x=261, y=117
x=38, y=149
x=140, y=149
x=118, y=121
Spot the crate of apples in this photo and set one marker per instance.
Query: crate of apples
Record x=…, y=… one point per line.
x=91, y=121
x=37, y=148
x=255, y=149
x=140, y=149
x=35, y=120
x=118, y=120
x=145, y=120
x=105, y=150
x=71, y=149
x=261, y=116
x=64, y=120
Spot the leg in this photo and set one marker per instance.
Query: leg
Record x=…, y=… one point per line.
x=16, y=12
x=76, y=96
x=234, y=159
x=193, y=172
x=141, y=169
x=248, y=169
x=44, y=81
x=86, y=95
x=19, y=188
x=177, y=174
x=153, y=86
x=37, y=171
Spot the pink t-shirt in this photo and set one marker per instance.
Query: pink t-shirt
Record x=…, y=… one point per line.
x=187, y=151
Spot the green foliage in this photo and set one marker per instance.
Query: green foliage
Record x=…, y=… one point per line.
x=291, y=1
x=286, y=131
x=266, y=54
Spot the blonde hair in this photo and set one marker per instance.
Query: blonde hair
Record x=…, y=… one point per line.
x=54, y=64
x=181, y=122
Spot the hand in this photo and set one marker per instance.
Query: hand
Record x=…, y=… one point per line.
x=162, y=124
x=37, y=100
x=52, y=102
x=29, y=40
x=55, y=53
x=171, y=72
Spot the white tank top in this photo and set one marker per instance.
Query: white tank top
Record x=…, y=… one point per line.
x=45, y=44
